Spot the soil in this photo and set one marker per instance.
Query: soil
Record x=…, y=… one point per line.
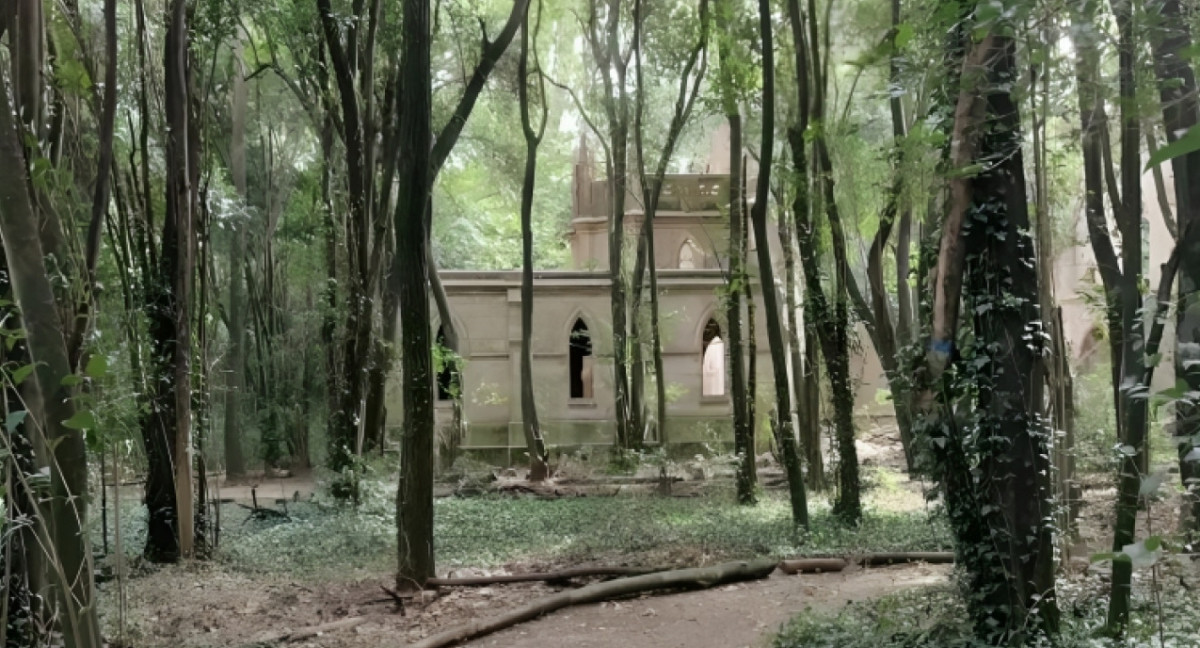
x=216, y=608
x=732, y=616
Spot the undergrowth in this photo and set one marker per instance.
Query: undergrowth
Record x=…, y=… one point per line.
x=320, y=539
x=936, y=617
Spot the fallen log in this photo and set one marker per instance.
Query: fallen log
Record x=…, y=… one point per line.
x=812, y=565
x=932, y=557
x=694, y=578
x=549, y=577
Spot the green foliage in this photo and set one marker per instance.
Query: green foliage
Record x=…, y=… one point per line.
x=933, y=617
x=323, y=538
x=1095, y=420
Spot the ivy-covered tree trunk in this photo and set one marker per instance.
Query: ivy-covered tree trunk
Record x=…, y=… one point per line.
x=743, y=430
x=414, y=497
x=832, y=324
x=1011, y=438
x=166, y=427
x=990, y=444
x=1170, y=41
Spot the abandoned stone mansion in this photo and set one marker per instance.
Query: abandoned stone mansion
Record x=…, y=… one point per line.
x=572, y=334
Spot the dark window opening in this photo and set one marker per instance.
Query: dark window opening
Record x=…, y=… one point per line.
x=445, y=375
x=580, y=364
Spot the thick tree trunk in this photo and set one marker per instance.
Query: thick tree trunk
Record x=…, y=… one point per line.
x=47, y=347
x=414, y=498
x=785, y=429
x=1003, y=284
x=1177, y=87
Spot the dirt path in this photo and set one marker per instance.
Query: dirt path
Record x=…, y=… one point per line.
x=733, y=616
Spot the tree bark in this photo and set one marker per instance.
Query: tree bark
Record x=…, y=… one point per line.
x=1134, y=403
x=535, y=444
x=651, y=187
x=785, y=428
x=1178, y=92
x=235, y=385
x=414, y=497
x=743, y=431
x=67, y=460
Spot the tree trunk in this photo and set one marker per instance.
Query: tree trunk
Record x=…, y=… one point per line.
x=1011, y=438
x=414, y=497
x=235, y=385
x=1178, y=89
x=1134, y=404
x=535, y=444
x=743, y=432
x=786, y=431
x=47, y=348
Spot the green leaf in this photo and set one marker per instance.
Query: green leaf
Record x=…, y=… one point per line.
x=21, y=373
x=82, y=420
x=904, y=34
x=1189, y=143
x=97, y=367
x=1103, y=557
x=70, y=380
x=14, y=419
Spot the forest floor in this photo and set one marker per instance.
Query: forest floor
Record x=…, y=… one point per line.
x=325, y=564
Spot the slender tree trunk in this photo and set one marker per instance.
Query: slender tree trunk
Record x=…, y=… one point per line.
x=414, y=497
x=177, y=271
x=1134, y=404
x=534, y=443
x=46, y=342
x=785, y=428
x=235, y=385
x=743, y=432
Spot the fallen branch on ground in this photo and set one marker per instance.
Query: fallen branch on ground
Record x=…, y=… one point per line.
x=932, y=557
x=313, y=631
x=549, y=577
x=696, y=578
x=812, y=565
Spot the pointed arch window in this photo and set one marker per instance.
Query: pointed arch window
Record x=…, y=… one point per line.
x=712, y=361
x=690, y=256
x=580, y=360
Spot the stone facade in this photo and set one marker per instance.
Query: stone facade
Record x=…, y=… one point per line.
x=575, y=394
